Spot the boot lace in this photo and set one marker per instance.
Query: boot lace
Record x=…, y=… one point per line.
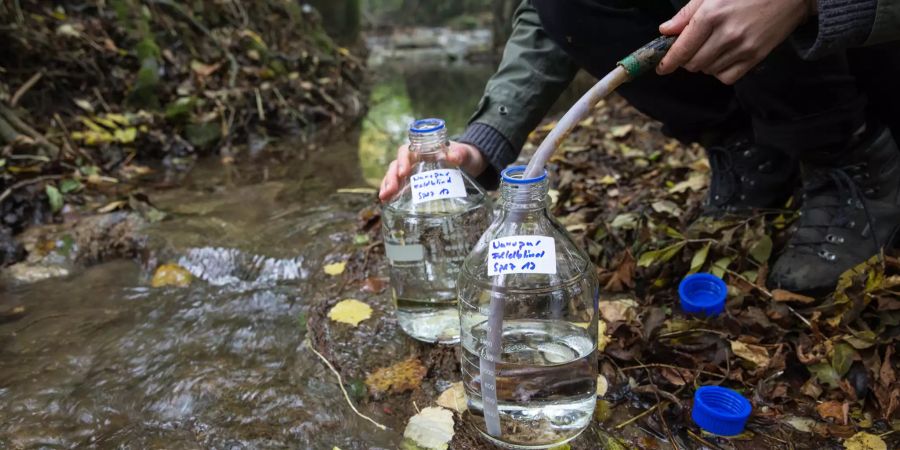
x=850, y=198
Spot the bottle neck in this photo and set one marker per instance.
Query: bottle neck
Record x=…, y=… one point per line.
x=428, y=145
x=524, y=196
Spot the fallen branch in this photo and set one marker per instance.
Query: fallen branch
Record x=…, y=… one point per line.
x=13, y=119
x=25, y=87
x=341, y=384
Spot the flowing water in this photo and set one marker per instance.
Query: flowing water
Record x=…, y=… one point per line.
x=103, y=360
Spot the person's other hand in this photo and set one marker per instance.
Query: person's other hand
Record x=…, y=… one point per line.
x=465, y=156
x=727, y=38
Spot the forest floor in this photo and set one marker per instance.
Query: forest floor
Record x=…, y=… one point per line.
x=820, y=373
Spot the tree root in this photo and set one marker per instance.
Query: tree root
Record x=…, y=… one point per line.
x=17, y=125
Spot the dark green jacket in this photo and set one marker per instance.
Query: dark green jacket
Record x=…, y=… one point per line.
x=534, y=71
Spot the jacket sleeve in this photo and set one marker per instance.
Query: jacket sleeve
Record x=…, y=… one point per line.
x=533, y=73
x=843, y=24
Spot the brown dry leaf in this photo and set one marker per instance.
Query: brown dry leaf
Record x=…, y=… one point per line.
x=837, y=411
x=618, y=310
x=454, y=398
x=781, y=295
x=756, y=354
x=401, y=377
x=171, y=275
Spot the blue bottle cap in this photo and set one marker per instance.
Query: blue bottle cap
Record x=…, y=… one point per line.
x=702, y=293
x=720, y=410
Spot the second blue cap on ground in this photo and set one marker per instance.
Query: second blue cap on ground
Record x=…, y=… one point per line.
x=720, y=410
x=703, y=293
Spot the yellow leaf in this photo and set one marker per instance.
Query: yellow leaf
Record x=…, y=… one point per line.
x=432, y=428
x=404, y=376
x=112, y=206
x=602, y=385
x=454, y=398
x=127, y=135
x=602, y=339
x=350, y=311
x=343, y=51
x=171, y=275
x=864, y=441
x=607, y=180
x=118, y=118
x=335, y=268
x=757, y=355
x=106, y=123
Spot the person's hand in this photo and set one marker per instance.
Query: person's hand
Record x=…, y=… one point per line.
x=465, y=156
x=727, y=38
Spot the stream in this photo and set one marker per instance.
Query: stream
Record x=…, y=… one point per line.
x=103, y=360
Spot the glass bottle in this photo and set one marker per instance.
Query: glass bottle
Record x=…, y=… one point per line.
x=429, y=227
x=528, y=301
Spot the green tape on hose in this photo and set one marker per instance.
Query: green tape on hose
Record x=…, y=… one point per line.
x=647, y=57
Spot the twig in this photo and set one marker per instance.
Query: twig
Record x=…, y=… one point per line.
x=102, y=100
x=27, y=182
x=346, y=396
x=659, y=412
x=633, y=419
x=693, y=330
x=259, y=106
x=18, y=123
x=702, y=441
x=24, y=88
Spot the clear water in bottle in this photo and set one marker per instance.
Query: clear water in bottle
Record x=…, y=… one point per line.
x=429, y=228
x=529, y=310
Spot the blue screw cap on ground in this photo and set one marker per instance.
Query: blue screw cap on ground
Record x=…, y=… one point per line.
x=720, y=411
x=702, y=293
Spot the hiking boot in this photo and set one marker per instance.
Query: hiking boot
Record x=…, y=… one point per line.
x=746, y=176
x=850, y=211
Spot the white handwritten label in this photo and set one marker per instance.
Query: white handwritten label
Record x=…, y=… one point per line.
x=522, y=254
x=437, y=184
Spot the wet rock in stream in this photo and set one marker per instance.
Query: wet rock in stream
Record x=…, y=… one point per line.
x=54, y=250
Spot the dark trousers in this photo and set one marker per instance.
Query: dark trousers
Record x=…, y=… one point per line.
x=792, y=105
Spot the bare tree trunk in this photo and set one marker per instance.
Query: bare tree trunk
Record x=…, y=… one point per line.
x=502, y=25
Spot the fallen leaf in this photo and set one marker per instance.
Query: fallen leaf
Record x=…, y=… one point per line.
x=700, y=258
x=757, y=355
x=659, y=256
x=618, y=310
x=431, y=428
x=762, y=249
x=621, y=130
x=627, y=221
x=55, y=198
x=834, y=410
x=454, y=398
x=781, y=295
x=401, y=377
x=667, y=206
x=335, y=268
x=204, y=70
x=804, y=424
x=602, y=385
x=864, y=441
x=171, y=275
x=607, y=180
x=350, y=311
x=695, y=182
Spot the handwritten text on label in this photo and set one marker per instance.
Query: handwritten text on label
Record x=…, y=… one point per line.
x=522, y=254
x=437, y=184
